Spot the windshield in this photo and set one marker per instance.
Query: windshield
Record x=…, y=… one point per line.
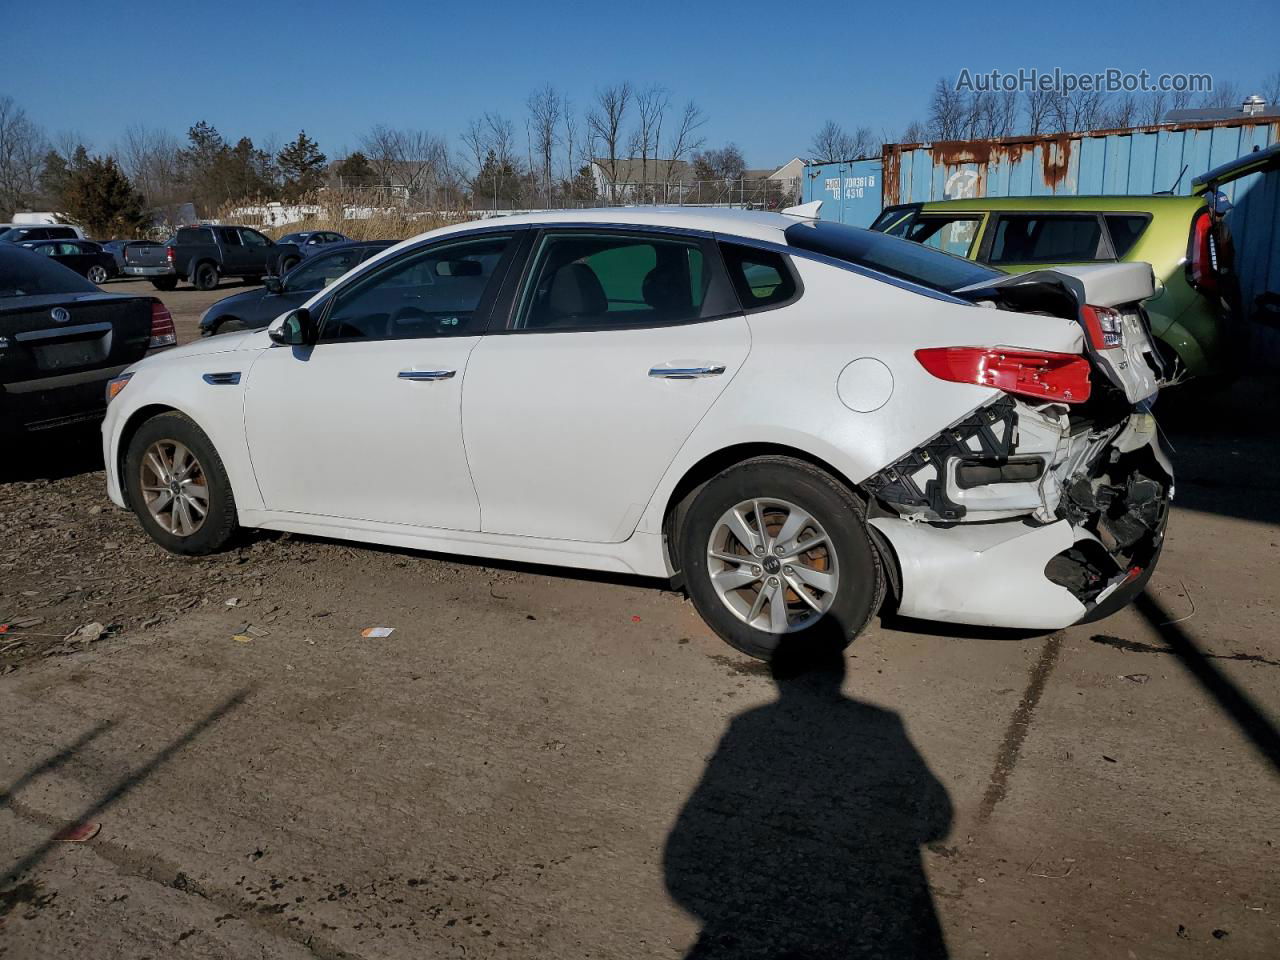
x=26, y=274
x=5, y=232
x=889, y=255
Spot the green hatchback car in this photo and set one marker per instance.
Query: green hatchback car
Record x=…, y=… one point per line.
x=1176, y=235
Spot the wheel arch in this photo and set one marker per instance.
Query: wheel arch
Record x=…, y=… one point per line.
x=131, y=426
x=697, y=475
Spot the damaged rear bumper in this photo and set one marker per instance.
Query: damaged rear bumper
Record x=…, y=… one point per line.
x=1086, y=548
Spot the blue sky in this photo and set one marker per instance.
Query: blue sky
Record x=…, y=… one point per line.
x=767, y=74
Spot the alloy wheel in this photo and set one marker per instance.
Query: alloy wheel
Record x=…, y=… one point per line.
x=174, y=487
x=773, y=565
x=97, y=275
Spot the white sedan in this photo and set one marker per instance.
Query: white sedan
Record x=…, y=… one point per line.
x=787, y=416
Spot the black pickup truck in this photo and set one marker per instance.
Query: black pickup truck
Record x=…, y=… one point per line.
x=62, y=339
x=202, y=256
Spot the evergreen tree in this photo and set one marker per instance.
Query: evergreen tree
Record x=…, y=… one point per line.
x=301, y=166
x=99, y=197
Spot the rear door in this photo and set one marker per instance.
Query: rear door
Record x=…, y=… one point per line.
x=235, y=259
x=617, y=343
x=256, y=248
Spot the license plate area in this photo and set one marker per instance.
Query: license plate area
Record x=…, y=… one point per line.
x=54, y=351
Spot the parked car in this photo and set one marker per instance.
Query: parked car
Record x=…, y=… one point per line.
x=293, y=248
x=781, y=413
x=203, y=255
x=62, y=339
x=255, y=309
x=1019, y=234
x=117, y=249
x=22, y=232
x=83, y=256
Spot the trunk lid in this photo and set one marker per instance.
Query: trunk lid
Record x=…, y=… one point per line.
x=1119, y=344
x=52, y=335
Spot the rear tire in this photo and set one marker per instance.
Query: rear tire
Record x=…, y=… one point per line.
x=96, y=275
x=175, y=482
x=165, y=283
x=825, y=595
x=205, y=277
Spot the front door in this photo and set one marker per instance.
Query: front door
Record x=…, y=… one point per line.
x=367, y=423
x=619, y=344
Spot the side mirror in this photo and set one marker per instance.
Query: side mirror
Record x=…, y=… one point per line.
x=273, y=284
x=294, y=329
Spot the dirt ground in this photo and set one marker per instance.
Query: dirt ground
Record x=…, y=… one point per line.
x=542, y=763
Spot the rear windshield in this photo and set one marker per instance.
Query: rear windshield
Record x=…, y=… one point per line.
x=889, y=255
x=26, y=274
x=194, y=235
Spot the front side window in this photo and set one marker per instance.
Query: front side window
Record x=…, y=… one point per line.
x=1036, y=238
x=599, y=281
x=436, y=292
x=254, y=239
x=320, y=271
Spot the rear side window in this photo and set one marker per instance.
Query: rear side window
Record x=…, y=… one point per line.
x=1035, y=238
x=760, y=277
x=599, y=281
x=194, y=235
x=952, y=235
x=60, y=233
x=1125, y=229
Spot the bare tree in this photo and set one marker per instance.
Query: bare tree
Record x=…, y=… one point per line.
x=149, y=158
x=22, y=149
x=605, y=122
x=683, y=142
x=412, y=164
x=1223, y=95
x=948, y=111
x=916, y=132
x=1271, y=89
x=832, y=142
x=989, y=114
x=651, y=108
x=1038, y=106
x=1078, y=110
x=545, y=107
x=1152, y=108
x=1120, y=112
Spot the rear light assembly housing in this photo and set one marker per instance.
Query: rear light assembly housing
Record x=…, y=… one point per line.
x=1055, y=377
x=1104, y=325
x=1202, y=254
x=163, y=333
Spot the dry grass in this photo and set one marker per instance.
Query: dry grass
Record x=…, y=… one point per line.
x=360, y=215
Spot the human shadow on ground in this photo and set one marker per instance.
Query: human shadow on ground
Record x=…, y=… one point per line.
x=803, y=838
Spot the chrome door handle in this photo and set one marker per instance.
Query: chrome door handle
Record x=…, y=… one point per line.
x=687, y=373
x=426, y=374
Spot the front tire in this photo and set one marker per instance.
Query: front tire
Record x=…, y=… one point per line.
x=774, y=547
x=178, y=487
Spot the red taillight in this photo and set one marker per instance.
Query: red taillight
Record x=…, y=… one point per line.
x=1104, y=325
x=163, y=333
x=1061, y=377
x=1202, y=254
x=168, y=254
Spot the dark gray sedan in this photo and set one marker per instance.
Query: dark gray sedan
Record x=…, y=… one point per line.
x=255, y=309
